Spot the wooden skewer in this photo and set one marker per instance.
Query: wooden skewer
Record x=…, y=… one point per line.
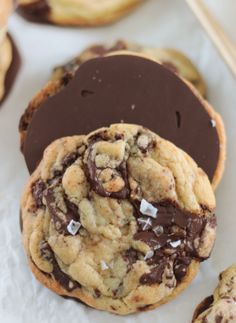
x=223, y=43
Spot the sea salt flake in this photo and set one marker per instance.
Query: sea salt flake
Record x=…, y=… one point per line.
x=71, y=284
x=213, y=123
x=73, y=227
x=104, y=265
x=175, y=244
x=148, y=209
x=149, y=255
x=158, y=230
x=145, y=222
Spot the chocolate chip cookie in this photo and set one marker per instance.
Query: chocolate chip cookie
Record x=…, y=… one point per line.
x=9, y=56
x=76, y=12
x=125, y=88
x=119, y=219
x=221, y=307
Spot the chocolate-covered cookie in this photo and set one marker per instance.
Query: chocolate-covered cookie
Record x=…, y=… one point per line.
x=125, y=88
x=176, y=61
x=9, y=56
x=119, y=219
x=221, y=307
x=76, y=13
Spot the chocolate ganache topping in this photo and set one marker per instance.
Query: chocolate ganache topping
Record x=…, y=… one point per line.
x=131, y=89
x=175, y=236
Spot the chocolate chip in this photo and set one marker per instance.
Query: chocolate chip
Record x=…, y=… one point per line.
x=97, y=293
x=37, y=11
x=60, y=218
x=130, y=256
x=63, y=279
x=180, y=267
x=37, y=192
x=155, y=275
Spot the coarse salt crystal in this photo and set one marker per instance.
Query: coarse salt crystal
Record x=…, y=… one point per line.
x=104, y=265
x=149, y=255
x=158, y=230
x=213, y=123
x=145, y=222
x=148, y=209
x=175, y=244
x=73, y=227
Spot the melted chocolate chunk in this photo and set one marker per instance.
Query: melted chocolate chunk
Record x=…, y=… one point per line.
x=97, y=186
x=155, y=276
x=37, y=11
x=118, y=83
x=13, y=69
x=37, y=192
x=181, y=267
x=61, y=219
x=203, y=306
x=63, y=279
x=175, y=242
x=66, y=162
x=130, y=256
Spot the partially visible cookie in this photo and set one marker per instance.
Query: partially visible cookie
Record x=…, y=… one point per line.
x=9, y=56
x=221, y=307
x=176, y=61
x=76, y=12
x=119, y=219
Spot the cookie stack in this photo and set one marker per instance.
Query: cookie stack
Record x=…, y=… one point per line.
x=120, y=217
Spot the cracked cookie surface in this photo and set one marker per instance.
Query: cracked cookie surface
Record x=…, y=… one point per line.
x=119, y=219
x=221, y=307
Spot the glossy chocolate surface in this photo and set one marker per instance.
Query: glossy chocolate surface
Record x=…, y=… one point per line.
x=129, y=89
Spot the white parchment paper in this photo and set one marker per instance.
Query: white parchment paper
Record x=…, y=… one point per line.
x=156, y=23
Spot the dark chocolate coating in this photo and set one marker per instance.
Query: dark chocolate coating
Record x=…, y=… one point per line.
x=12, y=71
x=37, y=11
x=131, y=89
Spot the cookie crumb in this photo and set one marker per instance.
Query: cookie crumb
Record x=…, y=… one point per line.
x=148, y=209
x=73, y=227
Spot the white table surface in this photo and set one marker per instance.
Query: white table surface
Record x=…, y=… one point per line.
x=156, y=23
